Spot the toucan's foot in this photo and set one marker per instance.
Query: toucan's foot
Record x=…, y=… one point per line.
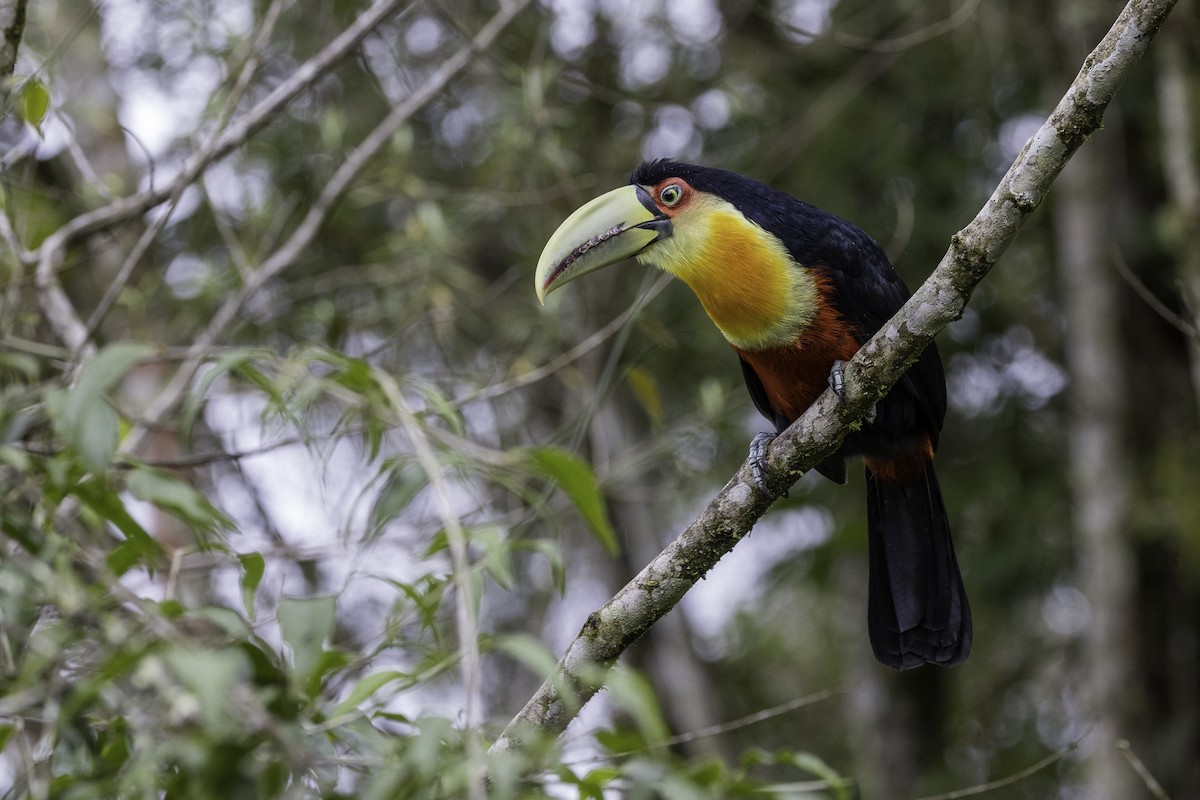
x=758, y=462
x=837, y=379
x=837, y=382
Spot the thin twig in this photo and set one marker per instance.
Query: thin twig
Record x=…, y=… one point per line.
x=1009, y=780
x=125, y=272
x=578, y=351
x=1147, y=777
x=943, y=26
x=82, y=162
x=245, y=75
x=237, y=251
x=57, y=309
x=1181, y=324
x=303, y=235
x=894, y=45
x=743, y=722
x=240, y=131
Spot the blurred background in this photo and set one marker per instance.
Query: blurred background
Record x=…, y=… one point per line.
x=303, y=492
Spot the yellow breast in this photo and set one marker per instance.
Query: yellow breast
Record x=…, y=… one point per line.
x=743, y=275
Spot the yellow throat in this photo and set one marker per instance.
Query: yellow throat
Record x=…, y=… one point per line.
x=752, y=289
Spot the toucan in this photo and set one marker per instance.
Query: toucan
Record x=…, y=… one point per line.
x=796, y=290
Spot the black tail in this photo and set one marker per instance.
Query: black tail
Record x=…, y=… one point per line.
x=917, y=608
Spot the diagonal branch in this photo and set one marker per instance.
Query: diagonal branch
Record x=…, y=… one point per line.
x=332, y=193
x=869, y=375
x=56, y=307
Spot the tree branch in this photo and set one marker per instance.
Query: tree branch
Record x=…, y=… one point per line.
x=57, y=309
x=869, y=375
x=318, y=212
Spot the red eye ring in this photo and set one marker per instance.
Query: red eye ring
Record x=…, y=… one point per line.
x=671, y=194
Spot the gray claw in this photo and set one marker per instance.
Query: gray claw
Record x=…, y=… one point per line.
x=758, y=462
x=837, y=380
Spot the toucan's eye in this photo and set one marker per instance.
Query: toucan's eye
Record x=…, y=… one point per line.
x=671, y=194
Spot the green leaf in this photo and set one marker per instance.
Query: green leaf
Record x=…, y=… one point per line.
x=330, y=661
x=496, y=560
x=403, y=482
x=442, y=406
x=228, y=363
x=114, y=744
x=367, y=687
x=82, y=415
x=212, y=676
x=253, y=567
x=645, y=389
x=128, y=554
x=553, y=554
x=426, y=595
x=634, y=695
x=592, y=785
x=139, y=546
x=579, y=482
x=90, y=429
x=34, y=103
x=528, y=650
x=176, y=497
x=25, y=367
x=109, y=366
x=812, y=763
x=306, y=624
x=227, y=619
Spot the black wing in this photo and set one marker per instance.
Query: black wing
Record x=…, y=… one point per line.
x=759, y=395
x=860, y=270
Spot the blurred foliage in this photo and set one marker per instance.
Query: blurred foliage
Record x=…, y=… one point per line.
x=259, y=594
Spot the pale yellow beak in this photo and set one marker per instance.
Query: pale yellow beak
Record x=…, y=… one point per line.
x=612, y=227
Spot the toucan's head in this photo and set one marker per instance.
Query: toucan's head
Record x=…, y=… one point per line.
x=717, y=231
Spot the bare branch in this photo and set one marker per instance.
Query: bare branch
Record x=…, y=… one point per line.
x=869, y=375
x=60, y=314
x=240, y=131
x=245, y=74
x=304, y=233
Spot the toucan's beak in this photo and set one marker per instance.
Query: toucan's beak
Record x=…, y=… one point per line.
x=612, y=227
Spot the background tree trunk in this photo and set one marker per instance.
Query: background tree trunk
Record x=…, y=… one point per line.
x=1099, y=480
x=1180, y=173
